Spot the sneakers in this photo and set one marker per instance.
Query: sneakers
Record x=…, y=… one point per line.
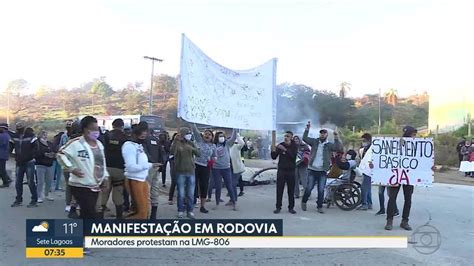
x=50, y=198
x=276, y=211
x=381, y=212
x=170, y=202
x=405, y=226
x=180, y=215
x=191, y=215
x=370, y=207
x=16, y=204
x=68, y=208
x=208, y=200
x=229, y=203
x=40, y=200
x=292, y=211
x=241, y=193
x=362, y=208
x=389, y=225
x=303, y=206
x=397, y=213
x=320, y=210
x=164, y=185
x=32, y=205
x=203, y=210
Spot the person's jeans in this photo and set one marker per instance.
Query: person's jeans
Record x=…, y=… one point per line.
x=235, y=182
x=285, y=177
x=58, y=174
x=301, y=177
x=87, y=200
x=163, y=172
x=392, y=200
x=313, y=178
x=226, y=174
x=3, y=171
x=29, y=169
x=366, y=190
x=382, y=199
x=153, y=182
x=185, y=184
x=44, y=174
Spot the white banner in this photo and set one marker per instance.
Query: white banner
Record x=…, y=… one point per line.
x=214, y=95
x=402, y=161
x=247, y=242
x=466, y=166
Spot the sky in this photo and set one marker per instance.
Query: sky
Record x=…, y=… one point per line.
x=410, y=45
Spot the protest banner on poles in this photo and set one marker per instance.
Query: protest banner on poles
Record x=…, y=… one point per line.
x=214, y=95
x=406, y=161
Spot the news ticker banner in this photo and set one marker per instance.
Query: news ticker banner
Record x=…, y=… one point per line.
x=67, y=238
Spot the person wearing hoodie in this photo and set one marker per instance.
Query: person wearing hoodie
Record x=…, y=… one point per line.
x=221, y=169
x=172, y=174
x=4, y=153
x=319, y=163
x=465, y=152
x=237, y=166
x=44, y=158
x=408, y=132
x=287, y=151
x=24, y=155
x=137, y=168
x=208, y=150
x=302, y=160
x=184, y=152
x=83, y=157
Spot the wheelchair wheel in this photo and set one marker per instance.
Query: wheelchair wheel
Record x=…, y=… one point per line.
x=347, y=196
x=357, y=184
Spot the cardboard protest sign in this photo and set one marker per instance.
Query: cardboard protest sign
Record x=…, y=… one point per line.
x=406, y=161
x=466, y=166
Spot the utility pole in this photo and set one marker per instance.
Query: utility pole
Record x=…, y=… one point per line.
x=469, y=125
x=153, y=59
x=380, y=112
x=8, y=107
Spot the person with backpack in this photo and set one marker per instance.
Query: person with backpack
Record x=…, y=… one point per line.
x=154, y=149
x=302, y=160
x=44, y=157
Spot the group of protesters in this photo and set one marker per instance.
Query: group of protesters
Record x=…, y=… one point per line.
x=308, y=162
x=95, y=165
x=465, y=150
x=127, y=166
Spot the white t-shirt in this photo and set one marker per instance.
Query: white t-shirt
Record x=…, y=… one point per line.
x=318, y=161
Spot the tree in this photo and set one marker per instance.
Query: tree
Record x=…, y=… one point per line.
x=345, y=88
x=101, y=88
x=391, y=97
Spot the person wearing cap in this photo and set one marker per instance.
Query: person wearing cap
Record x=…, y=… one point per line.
x=4, y=150
x=24, y=155
x=408, y=132
x=319, y=163
x=184, y=151
x=113, y=142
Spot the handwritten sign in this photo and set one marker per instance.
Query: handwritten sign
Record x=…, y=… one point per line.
x=405, y=161
x=214, y=95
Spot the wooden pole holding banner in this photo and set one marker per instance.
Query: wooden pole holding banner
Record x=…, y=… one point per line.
x=273, y=139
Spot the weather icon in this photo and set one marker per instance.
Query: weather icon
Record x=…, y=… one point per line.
x=42, y=227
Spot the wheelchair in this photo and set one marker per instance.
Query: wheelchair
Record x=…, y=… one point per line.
x=345, y=193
